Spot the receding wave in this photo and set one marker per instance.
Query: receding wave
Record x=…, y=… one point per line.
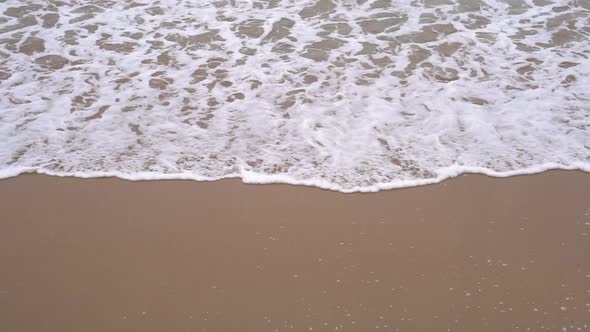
x=347, y=95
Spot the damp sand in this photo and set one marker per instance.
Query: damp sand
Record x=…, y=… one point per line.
x=469, y=254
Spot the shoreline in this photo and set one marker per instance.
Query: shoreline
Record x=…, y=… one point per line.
x=248, y=177
x=472, y=253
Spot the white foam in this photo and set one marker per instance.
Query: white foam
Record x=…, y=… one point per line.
x=342, y=95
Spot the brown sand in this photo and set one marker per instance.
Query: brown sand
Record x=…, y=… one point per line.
x=470, y=254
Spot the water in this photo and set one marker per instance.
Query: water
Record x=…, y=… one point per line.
x=346, y=95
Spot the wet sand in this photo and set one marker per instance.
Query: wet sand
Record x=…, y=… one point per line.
x=470, y=254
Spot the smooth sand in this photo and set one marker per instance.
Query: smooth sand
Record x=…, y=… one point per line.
x=470, y=254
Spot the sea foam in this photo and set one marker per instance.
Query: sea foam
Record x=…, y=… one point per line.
x=344, y=95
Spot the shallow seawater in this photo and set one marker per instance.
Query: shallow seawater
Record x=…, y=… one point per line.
x=347, y=95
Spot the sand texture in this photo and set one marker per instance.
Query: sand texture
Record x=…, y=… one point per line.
x=469, y=254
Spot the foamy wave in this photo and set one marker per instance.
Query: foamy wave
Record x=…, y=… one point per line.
x=343, y=95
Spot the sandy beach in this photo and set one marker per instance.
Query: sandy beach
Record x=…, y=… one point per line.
x=351, y=96
x=470, y=254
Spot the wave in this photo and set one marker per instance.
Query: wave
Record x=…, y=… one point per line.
x=343, y=95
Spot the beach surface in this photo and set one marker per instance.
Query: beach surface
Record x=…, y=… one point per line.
x=472, y=253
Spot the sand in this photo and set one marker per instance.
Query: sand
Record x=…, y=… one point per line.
x=470, y=254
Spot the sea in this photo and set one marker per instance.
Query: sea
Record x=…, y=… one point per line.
x=347, y=95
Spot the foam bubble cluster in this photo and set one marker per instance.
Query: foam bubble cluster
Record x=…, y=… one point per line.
x=351, y=95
